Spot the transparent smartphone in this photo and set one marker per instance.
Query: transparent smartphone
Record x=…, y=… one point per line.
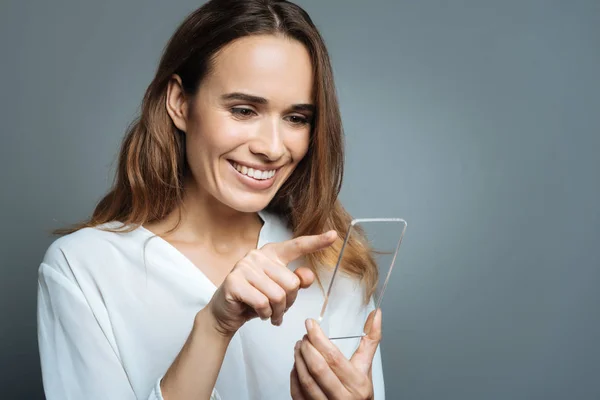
x=384, y=237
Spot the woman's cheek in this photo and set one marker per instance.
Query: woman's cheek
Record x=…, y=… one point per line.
x=233, y=133
x=298, y=145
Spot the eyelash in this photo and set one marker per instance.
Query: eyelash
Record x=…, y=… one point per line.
x=239, y=111
x=243, y=112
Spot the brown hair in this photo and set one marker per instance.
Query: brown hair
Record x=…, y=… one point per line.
x=151, y=166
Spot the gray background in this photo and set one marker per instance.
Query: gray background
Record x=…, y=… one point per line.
x=477, y=121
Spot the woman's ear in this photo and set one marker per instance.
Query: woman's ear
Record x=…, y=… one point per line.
x=177, y=103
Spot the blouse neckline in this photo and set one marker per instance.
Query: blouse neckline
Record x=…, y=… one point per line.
x=262, y=240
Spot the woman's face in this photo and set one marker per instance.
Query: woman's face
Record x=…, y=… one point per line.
x=249, y=124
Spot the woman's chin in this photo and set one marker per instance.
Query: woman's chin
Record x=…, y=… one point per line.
x=249, y=203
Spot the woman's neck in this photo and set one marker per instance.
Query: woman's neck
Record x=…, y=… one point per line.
x=207, y=221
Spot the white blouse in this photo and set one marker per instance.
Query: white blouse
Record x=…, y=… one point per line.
x=114, y=310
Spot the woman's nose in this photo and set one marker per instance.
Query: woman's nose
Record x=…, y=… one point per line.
x=269, y=142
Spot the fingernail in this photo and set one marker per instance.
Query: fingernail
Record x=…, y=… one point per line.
x=297, y=346
x=309, y=324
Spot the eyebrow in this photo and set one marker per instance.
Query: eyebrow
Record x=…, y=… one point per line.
x=261, y=100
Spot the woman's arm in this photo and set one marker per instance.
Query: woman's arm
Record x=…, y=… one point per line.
x=194, y=372
x=78, y=361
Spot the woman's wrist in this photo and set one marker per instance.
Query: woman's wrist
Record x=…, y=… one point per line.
x=206, y=323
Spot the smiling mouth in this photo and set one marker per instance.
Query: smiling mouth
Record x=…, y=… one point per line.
x=259, y=175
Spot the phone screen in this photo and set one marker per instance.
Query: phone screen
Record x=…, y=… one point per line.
x=383, y=236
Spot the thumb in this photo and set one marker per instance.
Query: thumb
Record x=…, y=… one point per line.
x=363, y=356
x=306, y=275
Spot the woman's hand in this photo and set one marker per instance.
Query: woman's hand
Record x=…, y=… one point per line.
x=322, y=372
x=260, y=284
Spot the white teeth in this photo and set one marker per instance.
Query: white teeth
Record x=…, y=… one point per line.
x=254, y=173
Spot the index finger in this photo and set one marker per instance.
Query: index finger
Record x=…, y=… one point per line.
x=292, y=249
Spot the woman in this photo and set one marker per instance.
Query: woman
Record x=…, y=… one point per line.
x=227, y=181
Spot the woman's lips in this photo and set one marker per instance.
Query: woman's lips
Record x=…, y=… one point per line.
x=252, y=182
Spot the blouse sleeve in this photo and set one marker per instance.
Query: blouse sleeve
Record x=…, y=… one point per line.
x=77, y=360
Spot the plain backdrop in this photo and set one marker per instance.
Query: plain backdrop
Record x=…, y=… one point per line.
x=478, y=121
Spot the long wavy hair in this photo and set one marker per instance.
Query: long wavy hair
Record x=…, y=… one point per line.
x=151, y=168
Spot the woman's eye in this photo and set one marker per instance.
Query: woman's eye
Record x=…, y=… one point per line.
x=298, y=120
x=242, y=112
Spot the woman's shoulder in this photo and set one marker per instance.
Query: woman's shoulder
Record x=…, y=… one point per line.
x=87, y=246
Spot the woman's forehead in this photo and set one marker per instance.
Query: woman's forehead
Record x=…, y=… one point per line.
x=274, y=67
